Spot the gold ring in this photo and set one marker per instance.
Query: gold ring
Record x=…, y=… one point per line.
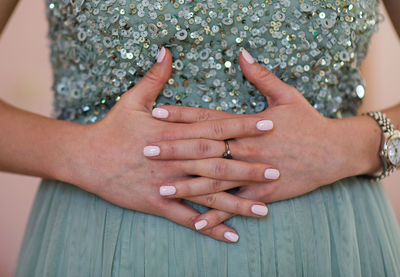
x=227, y=153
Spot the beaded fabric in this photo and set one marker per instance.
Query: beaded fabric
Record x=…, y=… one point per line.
x=100, y=49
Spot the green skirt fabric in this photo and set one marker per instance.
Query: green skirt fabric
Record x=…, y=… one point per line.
x=347, y=228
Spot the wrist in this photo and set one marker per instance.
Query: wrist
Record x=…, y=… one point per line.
x=361, y=143
x=70, y=139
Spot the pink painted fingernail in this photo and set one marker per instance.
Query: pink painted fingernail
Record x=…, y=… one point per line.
x=247, y=56
x=259, y=210
x=161, y=55
x=231, y=236
x=167, y=190
x=200, y=224
x=264, y=125
x=271, y=173
x=160, y=113
x=151, y=151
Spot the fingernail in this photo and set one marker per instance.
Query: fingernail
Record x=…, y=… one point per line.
x=247, y=56
x=264, y=125
x=161, y=55
x=151, y=151
x=160, y=113
x=231, y=236
x=200, y=224
x=271, y=173
x=167, y=190
x=259, y=210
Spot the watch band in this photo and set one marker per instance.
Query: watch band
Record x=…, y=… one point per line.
x=387, y=130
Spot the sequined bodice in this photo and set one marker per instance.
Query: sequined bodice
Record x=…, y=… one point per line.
x=100, y=49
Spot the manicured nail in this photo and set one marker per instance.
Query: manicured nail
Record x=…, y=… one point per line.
x=159, y=113
x=161, y=55
x=271, y=173
x=167, y=190
x=264, y=125
x=200, y=224
x=259, y=210
x=247, y=56
x=231, y=236
x=151, y=151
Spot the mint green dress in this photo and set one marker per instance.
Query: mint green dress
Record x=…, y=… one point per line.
x=100, y=49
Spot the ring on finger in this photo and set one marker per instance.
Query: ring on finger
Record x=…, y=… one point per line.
x=227, y=154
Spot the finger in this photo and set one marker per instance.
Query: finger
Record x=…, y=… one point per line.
x=231, y=170
x=187, y=149
x=185, y=215
x=211, y=218
x=190, y=114
x=214, y=217
x=276, y=91
x=198, y=186
x=195, y=149
x=231, y=203
x=219, y=129
x=224, y=128
x=144, y=93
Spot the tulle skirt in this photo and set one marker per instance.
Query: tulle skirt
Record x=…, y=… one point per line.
x=347, y=229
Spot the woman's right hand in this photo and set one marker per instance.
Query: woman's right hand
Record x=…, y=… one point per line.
x=109, y=161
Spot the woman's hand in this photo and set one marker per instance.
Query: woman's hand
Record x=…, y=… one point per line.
x=111, y=162
x=308, y=149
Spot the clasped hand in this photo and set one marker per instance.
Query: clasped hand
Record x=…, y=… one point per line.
x=302, y=149
x=149, y=160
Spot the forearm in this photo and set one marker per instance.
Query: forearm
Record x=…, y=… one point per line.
x=35, y=145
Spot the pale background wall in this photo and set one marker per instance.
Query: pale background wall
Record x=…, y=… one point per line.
x=25, y=80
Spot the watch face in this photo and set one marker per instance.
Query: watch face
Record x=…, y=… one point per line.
x=394, y=151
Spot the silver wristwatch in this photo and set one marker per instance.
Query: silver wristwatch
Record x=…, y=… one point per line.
x=390, y=145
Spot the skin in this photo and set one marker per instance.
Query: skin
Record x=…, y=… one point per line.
x=120, y=173
x=303, y=146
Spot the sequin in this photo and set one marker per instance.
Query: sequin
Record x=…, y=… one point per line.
x=360, y=91
x=101, y=49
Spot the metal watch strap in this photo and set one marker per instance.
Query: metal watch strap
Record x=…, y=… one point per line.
x=388, y=128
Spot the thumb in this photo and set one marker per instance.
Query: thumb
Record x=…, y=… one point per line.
x=145, y=92
x=276, y=91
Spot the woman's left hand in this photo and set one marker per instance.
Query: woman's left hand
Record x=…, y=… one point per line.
x=308, y=149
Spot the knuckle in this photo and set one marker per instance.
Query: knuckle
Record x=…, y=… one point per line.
x=184, y=189
x=170, y=149
x=263, y=74
x=210, y=200
x=220, y=169
x=178, y=114
x=244, y=125
x=202, y=148
x=216, y=185
x=217, y=130
x=203, y=115
x=218, y=217
x=238, y=207
x=152, y=76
